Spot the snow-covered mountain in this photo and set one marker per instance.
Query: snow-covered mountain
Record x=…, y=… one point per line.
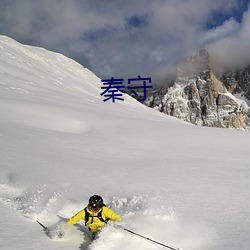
x=204, y=97
x=182, y=185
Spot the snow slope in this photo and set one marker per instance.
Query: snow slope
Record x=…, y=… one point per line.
x=176, y=183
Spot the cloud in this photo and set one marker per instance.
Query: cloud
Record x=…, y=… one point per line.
x=228, y=28
x=124, y=38
x=233, y=49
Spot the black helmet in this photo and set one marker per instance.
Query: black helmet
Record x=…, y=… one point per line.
x=96, y=202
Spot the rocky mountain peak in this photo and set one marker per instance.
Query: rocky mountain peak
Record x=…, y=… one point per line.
x=201, y=97
x=196, y=64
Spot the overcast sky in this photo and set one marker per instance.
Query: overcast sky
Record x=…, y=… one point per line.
x=127, y=38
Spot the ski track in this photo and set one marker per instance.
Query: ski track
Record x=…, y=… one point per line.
x=144, y=214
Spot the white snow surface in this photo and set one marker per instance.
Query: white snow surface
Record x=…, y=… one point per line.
x=182, y=185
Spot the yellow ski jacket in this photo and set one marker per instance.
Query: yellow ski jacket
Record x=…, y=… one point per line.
x=94, y=223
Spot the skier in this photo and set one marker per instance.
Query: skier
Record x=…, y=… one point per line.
x=95, y=214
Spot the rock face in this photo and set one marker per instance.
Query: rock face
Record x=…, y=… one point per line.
x=237, y=81
x=202, y=98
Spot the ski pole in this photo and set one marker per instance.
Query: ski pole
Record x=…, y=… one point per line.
x=146, y=238
x=45, y=228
